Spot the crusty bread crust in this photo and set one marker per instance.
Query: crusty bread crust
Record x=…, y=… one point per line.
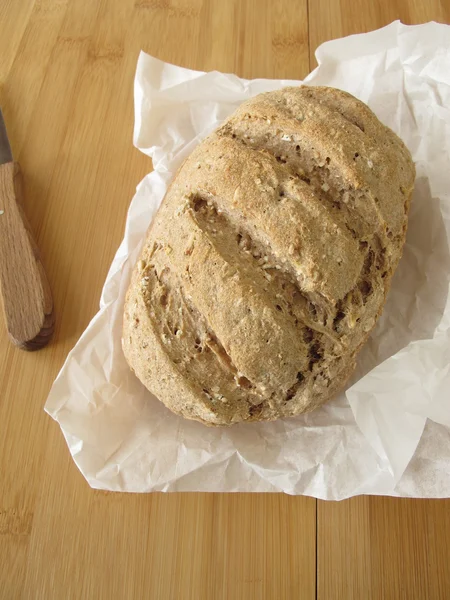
x=269, y=260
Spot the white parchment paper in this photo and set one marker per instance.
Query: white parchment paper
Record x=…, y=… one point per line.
x=390, y=432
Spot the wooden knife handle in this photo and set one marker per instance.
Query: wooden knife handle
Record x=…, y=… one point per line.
x=27, y=299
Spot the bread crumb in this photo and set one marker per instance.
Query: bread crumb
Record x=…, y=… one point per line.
x=368, y=326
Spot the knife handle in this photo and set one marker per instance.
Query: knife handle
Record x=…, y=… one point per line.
x=27, y=298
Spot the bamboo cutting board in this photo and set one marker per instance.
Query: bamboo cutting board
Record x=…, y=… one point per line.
x=66, y=76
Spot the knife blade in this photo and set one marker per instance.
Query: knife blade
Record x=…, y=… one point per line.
x=26, y=295
x=5, y=148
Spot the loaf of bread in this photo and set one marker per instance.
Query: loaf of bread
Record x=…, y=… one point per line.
x=269, y=260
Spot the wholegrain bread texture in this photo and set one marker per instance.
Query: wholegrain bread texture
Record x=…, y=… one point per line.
x=269, y=260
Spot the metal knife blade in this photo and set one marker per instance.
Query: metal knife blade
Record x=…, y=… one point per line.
x=5, y=148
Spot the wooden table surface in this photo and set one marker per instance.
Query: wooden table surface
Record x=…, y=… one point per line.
x=66, y=76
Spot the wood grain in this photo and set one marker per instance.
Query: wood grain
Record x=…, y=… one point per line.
x=26, y=296
x=66, y=77
x=388, y=548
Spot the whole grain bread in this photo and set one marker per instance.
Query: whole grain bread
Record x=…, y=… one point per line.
x=269, y=260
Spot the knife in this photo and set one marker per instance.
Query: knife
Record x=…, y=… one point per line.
x=27, y=299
